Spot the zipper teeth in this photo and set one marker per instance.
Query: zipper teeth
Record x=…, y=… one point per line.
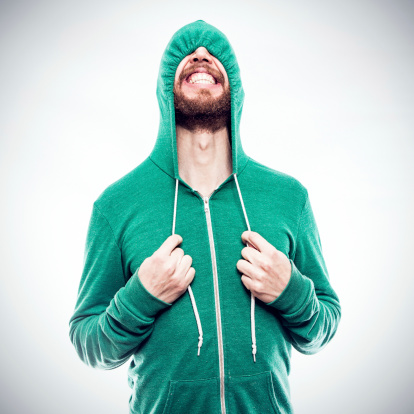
x=217, y=301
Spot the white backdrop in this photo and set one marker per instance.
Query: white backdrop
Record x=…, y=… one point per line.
x=329, y=100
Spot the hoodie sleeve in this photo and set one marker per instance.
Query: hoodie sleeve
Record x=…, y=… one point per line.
x=309, y=307
x=111, y=317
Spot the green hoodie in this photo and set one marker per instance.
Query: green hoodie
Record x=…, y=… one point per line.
x=216, y=349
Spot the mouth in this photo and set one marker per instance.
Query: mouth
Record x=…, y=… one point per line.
x=201, y=79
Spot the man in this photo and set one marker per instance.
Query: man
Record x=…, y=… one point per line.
x=255, y=291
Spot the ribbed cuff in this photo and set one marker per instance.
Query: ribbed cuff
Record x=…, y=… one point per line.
x=296, y=293
x=139, y=300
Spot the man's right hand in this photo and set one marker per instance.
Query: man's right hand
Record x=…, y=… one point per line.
x=168, y=272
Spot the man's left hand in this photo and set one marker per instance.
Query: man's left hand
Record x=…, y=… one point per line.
x=265, y=271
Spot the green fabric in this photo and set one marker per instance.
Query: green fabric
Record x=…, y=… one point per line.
x=116, y=318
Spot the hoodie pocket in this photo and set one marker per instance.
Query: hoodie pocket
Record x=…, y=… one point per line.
x=252, y=394
x=193, y=396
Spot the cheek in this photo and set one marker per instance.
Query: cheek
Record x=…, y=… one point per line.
x=220, y=67
x=182, y=66
x=177, y=77
x=178, y=72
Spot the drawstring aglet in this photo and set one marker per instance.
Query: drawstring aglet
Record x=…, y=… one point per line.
x=254, y=352
x=200, y=342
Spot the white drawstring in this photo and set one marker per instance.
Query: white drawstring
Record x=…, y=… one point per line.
x=252, y=297
x=200, y=330
x=252, y=317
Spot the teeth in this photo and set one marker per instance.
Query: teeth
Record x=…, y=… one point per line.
x=201, y=78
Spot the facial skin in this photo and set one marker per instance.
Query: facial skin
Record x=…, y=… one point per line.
x=202, y=107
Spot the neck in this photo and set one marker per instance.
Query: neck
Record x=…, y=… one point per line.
x=204, y=158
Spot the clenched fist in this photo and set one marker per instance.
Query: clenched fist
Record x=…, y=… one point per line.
x=168, y=272
x=265, y=270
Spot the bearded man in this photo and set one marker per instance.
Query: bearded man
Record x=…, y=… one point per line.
x=253, y=292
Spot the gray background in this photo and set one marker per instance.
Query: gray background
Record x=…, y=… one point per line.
x=329, y=100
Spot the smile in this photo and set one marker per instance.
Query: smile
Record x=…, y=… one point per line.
x=202, y=84
x=201, y=80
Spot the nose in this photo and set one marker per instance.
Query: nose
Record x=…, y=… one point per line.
x=201, y=54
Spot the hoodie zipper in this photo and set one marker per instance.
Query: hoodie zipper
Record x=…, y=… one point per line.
x=217, y=301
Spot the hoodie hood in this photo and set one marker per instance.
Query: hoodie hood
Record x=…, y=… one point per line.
x=185, y=41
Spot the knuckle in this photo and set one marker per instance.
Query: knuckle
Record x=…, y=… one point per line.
x=182, y=285
x=266, y=265
x=259, y=287
x=169, y=268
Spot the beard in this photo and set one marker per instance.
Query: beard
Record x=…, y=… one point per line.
x=204, y=113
